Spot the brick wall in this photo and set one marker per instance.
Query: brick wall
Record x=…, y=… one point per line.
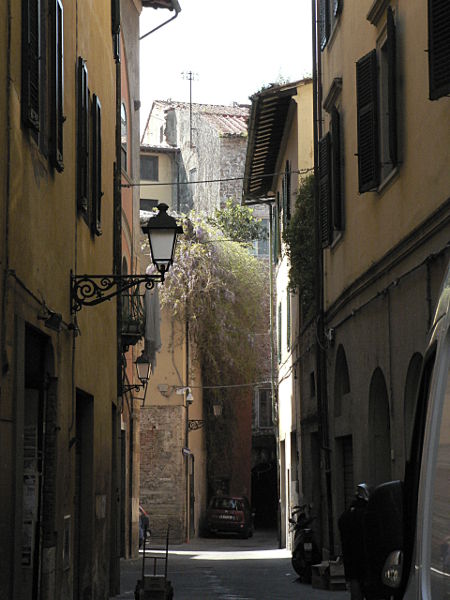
x=163, y=488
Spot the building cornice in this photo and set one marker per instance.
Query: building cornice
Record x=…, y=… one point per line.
x=333, y=94
x=376, y=11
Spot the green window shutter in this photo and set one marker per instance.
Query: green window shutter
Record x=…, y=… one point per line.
x=336, y=195
x=57, y=87
x=439, y=48
x=31, y=66
x=367, y=116
x=82, y=137
x=96, y=221
x=392, y=86
x=325, y=189
x=324, y=23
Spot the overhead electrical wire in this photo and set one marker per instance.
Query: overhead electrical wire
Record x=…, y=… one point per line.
x=154, y=183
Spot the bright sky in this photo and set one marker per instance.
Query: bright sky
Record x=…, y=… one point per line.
x=234, y=47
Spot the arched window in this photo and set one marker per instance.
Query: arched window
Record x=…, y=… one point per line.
x=379, y=429
x=124, y=135
x=341, y=381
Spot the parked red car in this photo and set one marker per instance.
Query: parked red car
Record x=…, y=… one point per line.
x=229, y=514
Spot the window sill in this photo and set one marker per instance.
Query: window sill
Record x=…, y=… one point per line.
x=387, y=180
x=338, y=237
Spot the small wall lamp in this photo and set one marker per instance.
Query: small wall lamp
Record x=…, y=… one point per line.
x=143, y=372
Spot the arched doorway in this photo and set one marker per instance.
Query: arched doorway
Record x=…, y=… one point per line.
x=379, y=429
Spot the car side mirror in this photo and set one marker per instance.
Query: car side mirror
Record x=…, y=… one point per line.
x=393, y=569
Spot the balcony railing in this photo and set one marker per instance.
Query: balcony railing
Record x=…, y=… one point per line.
x=133, y=318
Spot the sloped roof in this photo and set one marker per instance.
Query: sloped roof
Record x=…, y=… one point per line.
x=268, y=116
x=229, y=121
x=158, y=4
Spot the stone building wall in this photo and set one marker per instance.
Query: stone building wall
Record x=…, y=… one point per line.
x=233, y=150
x=163, y=486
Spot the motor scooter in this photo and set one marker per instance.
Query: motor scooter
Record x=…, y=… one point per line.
x=305, y=551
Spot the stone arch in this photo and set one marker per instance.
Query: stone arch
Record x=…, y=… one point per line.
x=341, y=381
x=379, y=429
x=409, y=399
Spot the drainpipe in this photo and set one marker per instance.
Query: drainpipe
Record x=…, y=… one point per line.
x=321, y=362
x=177, y=12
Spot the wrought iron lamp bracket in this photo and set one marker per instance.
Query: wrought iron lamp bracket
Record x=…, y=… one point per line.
x=194, y=424
x=90, y=290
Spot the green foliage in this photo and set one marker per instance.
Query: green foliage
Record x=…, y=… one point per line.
x=238, y=223
x=299, y=237
x=219, y=287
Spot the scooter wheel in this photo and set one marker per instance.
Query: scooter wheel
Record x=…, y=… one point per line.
x=302, y=569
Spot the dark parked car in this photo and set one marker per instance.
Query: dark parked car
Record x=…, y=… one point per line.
x=229, y=514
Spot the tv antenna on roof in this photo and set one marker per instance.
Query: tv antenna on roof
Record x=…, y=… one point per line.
x=190, y=76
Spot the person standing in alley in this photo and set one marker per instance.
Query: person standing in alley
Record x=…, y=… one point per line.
x=351, y=528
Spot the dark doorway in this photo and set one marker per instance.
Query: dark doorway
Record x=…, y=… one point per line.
x=83, y=517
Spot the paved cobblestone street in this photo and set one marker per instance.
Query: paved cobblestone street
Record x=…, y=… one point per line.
x=229, y=569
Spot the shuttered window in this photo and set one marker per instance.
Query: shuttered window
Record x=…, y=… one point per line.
x=97, y=193
x=367, y=116
x=439, y=48
x=392, y=86
x=324, y=23
x=325, y=189
x=82, y=138
x=336, y=192
x=31, y=63
x=57, y=87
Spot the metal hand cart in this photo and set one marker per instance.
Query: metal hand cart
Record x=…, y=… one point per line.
x=155, y=586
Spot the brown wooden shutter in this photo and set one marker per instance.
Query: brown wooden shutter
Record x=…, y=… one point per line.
x=83, y=138
x=325, y=190
x=31, y=69
x=57, y=87
x=96, y=166
x=439, y=48
x=392, y=86
x=338, y=221
x=367, y=115
x=324, y=23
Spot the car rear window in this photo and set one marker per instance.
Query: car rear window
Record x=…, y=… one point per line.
x=227, y=504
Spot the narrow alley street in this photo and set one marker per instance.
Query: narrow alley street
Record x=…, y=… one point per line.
x=229, y=568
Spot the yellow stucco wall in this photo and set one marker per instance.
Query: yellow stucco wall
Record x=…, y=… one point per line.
x=376, y=221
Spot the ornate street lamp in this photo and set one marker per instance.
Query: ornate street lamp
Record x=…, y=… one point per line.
x=162, y=231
